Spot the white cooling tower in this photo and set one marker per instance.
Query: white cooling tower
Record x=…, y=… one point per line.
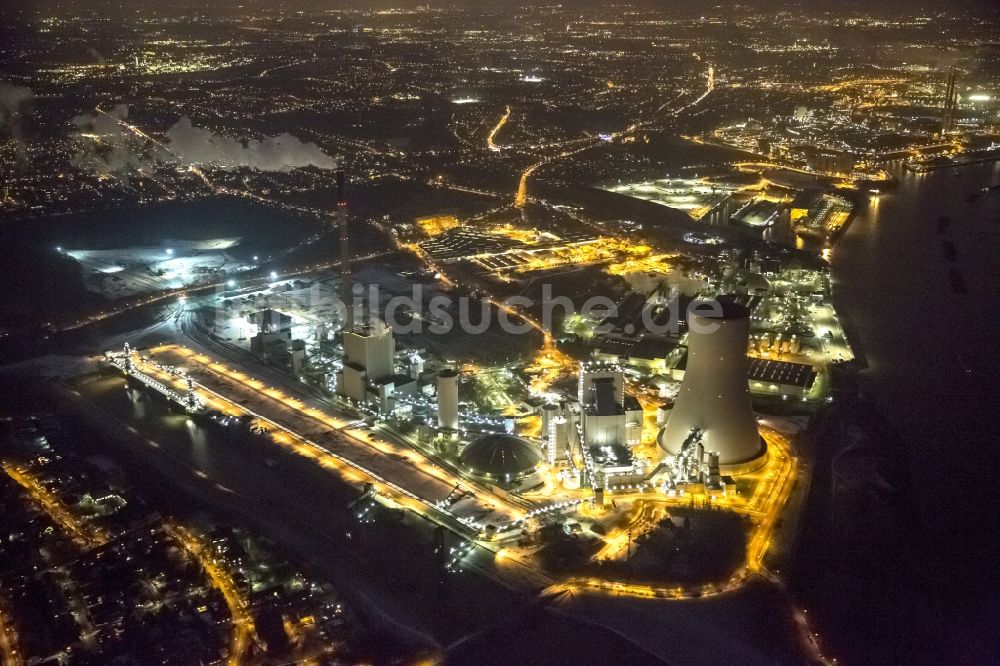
x=714, y=397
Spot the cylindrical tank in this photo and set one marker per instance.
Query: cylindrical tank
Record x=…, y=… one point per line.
x=557, y=438
x=447, y=396
x=298, y=357
x=714, y=397
x=571, y=479
x=663, y=413
x=549, y=411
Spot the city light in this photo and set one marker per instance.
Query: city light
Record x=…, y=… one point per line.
x=608, y=310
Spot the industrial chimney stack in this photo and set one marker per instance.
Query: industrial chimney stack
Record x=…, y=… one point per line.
x=948, y=119
x=345, y=252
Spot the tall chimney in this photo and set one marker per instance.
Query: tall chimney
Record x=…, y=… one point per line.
x=345, y=251
x=948, y=120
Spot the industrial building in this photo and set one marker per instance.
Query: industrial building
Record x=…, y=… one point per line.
x=765, y=376
x=758, y=213
x=781, y=377
x=274, y=332
x=609, y=417
x=368, y=374
x=501, y=459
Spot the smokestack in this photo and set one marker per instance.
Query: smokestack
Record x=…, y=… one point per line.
x=948, y=121
x=345, y=251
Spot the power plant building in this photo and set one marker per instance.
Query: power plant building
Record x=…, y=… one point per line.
x=372, y=347
x=609, y=417
x=501, y=459
x=368, y=374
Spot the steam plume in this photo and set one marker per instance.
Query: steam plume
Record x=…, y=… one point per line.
x=196, y=145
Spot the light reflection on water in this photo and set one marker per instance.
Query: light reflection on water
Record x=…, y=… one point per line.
x=175, y=431
x=933, y=353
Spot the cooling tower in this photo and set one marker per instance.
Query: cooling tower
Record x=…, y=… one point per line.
x=714, y=397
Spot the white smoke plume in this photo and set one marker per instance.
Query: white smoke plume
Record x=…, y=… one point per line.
x=108, y=147
x=13, y=100
x=197, y=145
x=641, y=283
x=104, y=125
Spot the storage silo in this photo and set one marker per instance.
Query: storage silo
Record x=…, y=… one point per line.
x=447, y=396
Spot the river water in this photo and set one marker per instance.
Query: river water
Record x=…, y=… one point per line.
x=933, y=358
x=932, y=353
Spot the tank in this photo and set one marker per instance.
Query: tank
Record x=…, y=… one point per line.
x=447, y=396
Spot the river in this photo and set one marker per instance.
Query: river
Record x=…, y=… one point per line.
x=933, y=363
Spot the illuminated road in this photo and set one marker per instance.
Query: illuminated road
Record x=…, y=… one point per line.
x=771, y=497
x=709, y=87
x=774, y=165
x=467, y=190
x=522, y=187
x=9, y=655
x=243, y=629
x=267, y=72
x=521, y=198
x=619, y=543
x=85, y=535
x=851, y=83
x=493, y=133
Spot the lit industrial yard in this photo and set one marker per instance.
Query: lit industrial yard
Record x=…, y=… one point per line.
x=451, y=334
x=404, y=477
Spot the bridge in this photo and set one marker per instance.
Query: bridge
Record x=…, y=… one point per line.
x=190, y=401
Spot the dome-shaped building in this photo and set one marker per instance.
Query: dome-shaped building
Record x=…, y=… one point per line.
x=501, y=458
x=757, y=283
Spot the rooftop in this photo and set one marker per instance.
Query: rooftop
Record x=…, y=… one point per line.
x=782, y=372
